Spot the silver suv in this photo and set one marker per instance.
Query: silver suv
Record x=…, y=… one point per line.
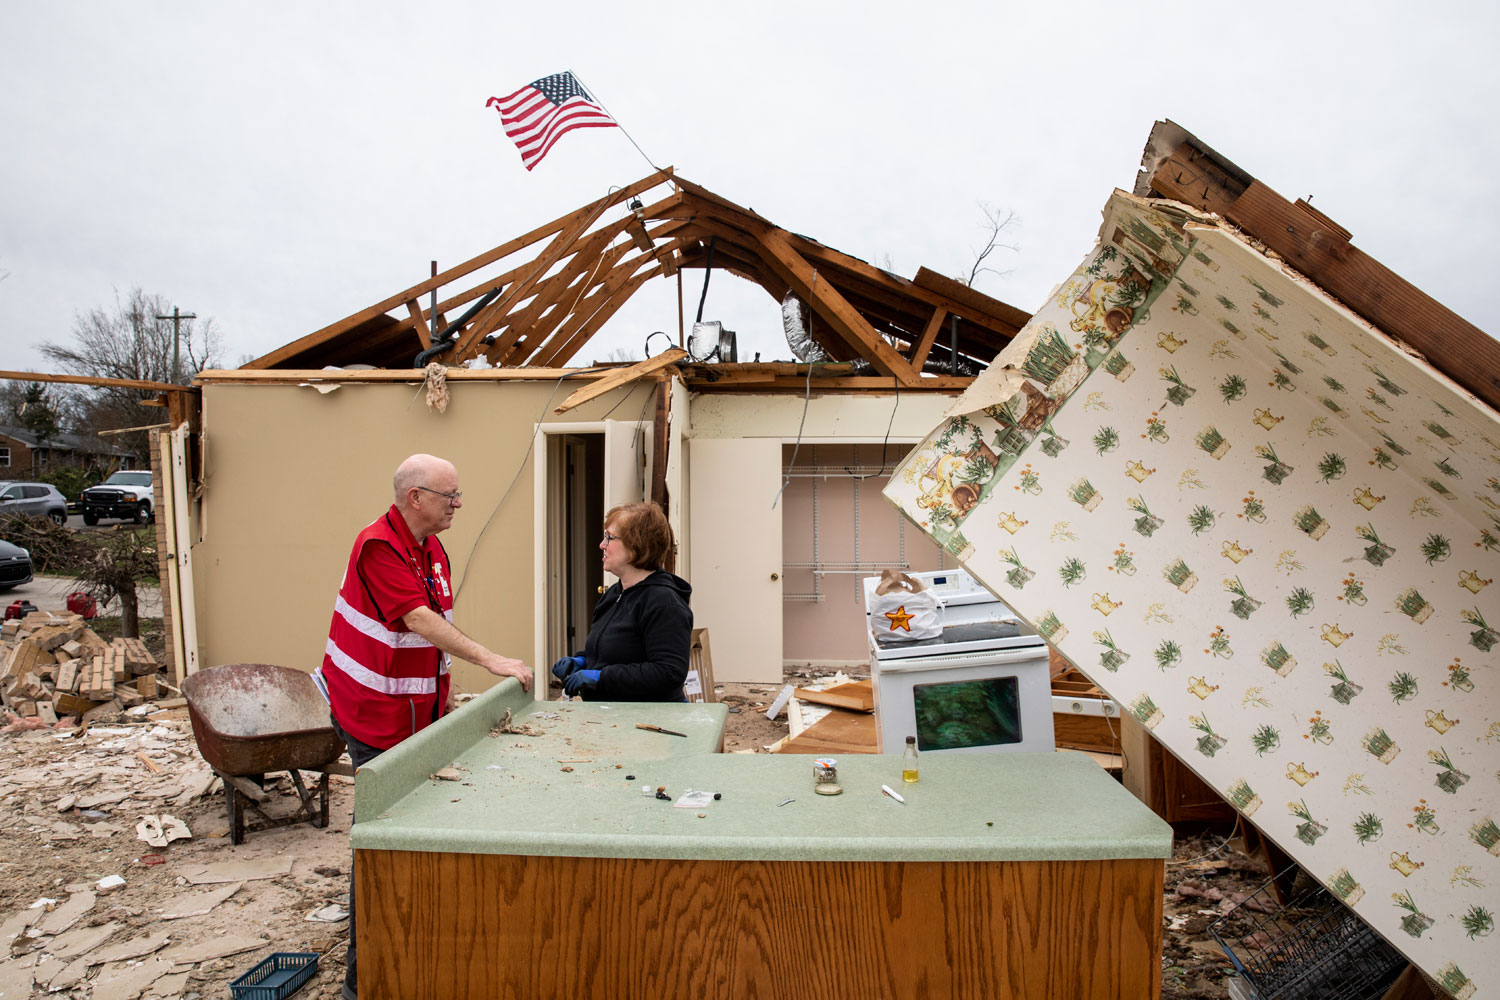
x=35, y=499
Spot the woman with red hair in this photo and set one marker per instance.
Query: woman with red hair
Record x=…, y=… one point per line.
x=637, y=649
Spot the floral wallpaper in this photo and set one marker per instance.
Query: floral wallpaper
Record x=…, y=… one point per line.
x=1271, y=533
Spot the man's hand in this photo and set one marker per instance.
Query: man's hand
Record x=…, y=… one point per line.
x=504, y=666
x=446, y=636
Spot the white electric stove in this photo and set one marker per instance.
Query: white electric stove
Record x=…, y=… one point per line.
x=982, y=686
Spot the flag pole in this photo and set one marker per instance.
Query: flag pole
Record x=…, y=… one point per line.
x=594, y=94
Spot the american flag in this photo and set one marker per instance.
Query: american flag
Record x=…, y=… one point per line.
x=539, y=114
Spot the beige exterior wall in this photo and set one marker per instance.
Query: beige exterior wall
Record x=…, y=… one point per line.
x=292, y=475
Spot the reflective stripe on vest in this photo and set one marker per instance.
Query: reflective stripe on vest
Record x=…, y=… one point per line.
x=394, y=686
x=372, y=628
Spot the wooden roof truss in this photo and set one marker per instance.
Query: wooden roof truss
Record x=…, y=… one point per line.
x=536, y=300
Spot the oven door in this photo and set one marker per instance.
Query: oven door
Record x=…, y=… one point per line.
x=987, y=702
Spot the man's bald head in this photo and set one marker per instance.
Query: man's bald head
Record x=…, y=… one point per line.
x=418, y=470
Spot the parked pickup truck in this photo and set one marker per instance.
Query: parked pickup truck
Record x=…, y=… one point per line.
x=126, y=495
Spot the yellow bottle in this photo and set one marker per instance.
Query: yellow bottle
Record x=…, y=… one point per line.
x=909, y=760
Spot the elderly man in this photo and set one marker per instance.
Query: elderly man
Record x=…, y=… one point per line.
x=385, y=667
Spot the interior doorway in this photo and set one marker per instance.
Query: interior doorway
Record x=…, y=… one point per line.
x=574, y=511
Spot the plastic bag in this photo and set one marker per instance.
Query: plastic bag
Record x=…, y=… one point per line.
x=903, y=610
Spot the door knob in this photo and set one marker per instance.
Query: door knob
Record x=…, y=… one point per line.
x=775, y=576
x=599, y=589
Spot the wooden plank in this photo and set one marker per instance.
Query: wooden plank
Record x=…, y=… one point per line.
x=414, y=310
x=113, y=383
x=1008, y=317
x=659, y=444
x=1319, y=248
x=504, y=250
x=494, y=317
x=435, y=925
x=539, y=342
x=837, y=733
x=834, y=308
x=798, y=384
x=923, y=347
x=295, y=376
x=855, y=696
x=534, y=323
x=619, y=377
x=1453, y=345
x=1196, y=178
x=601, y=305
x=701, y=664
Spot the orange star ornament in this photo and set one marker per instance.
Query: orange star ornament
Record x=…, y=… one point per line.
x=900, y=619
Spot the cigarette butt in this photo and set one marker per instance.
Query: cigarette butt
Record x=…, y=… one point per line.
x=892, y=793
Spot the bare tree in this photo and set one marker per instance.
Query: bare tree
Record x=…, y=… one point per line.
x=129, y=342
x=996, y=225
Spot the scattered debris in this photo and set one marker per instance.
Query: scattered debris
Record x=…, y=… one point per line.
x=448, y=774
x=159, y=831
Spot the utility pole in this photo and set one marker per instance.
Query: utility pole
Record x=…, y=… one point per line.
x=177, y=317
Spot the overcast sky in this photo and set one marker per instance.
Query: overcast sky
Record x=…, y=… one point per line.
x=279, y=166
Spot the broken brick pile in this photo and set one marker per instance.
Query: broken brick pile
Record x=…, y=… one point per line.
x=52, y=665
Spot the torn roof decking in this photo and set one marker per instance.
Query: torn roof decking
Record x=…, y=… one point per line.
x=565, y=279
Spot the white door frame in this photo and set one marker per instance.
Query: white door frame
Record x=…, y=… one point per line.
x=609, y=430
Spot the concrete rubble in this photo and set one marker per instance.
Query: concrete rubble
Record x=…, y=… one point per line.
x=110, y=820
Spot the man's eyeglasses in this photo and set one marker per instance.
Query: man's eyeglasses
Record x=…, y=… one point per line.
x=608, y=538
x=455, y=497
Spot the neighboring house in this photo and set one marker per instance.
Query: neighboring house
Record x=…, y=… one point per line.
x=22, y=453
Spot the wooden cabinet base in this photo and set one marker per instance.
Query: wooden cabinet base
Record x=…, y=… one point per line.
x=481, y=926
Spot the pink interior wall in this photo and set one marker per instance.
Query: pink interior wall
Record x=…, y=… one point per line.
x=833, y=628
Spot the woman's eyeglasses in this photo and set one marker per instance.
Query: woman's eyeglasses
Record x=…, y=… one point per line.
x=608, y=538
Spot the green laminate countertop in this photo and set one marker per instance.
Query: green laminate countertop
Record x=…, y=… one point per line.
x=514, y=796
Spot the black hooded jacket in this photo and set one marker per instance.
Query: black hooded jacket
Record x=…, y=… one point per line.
x=638, y=640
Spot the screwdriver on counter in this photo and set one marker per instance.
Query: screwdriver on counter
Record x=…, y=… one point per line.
x=659, y=729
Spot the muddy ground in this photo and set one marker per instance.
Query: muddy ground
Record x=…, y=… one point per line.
x=194, y=915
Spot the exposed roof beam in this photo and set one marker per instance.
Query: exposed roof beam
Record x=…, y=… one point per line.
x=1320, y=249
x=442, y=278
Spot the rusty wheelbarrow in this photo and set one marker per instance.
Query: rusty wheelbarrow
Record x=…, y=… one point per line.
x=253, y=718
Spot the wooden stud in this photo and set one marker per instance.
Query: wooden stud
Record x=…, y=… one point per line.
x=923, y=347
x=619, y=377
x=414, y=310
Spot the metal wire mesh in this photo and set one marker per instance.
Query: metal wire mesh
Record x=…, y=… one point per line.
x=1312, y=948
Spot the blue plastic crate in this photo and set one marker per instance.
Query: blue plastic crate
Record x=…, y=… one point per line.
x=277, y=977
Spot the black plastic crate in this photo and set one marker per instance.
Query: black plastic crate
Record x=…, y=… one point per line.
x=277, y=977
x=1312, y=948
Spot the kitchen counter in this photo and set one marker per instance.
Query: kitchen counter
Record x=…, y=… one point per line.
x=545, y=847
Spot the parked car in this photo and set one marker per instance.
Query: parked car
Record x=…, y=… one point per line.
x=126, y=495
x=35, y=499
x=15, y=565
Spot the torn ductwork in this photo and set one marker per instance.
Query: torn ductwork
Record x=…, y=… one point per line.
x=711, y=342
x=796, y=321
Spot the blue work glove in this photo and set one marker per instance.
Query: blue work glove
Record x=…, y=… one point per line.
x=578, y=680
x=565, y=666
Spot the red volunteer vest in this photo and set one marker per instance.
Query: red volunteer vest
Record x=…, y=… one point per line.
x=385, y=684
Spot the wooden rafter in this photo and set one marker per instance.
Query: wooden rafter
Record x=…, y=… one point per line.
x=619, y=377
x=541, y=334
x=319, y=337
x=567, y=278
x=833, y=307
